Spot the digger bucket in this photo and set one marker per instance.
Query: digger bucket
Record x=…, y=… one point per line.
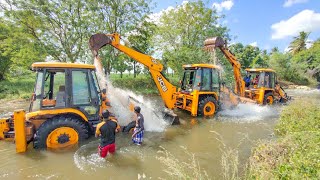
x=97, y=41
x=214, y=42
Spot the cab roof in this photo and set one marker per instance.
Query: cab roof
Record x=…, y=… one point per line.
x=61, y=65
x=260, y=70
x=201, y=65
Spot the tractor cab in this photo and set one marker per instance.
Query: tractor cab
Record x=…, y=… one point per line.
x=199, y=89
x=260, y=78
x=260, y=85
x=200, y=77
x=62, y=85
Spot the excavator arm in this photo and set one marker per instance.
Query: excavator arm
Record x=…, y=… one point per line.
x=218, y=42
x=166, y=89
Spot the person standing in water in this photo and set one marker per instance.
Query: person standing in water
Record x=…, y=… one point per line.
x=137, y=136
x=106, y=130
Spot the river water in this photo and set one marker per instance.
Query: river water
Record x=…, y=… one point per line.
x=209, y=140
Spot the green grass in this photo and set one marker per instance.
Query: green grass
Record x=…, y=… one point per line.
x=17, y=87
x=142, y=84
x=296, y=153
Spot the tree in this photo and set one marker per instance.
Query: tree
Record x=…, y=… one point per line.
x=308, y=61
x=121, y=16
x=59, y=26
x=18, y=50
x=121, y=65
x=299, y=42
x=182, y=31
x=140, y=38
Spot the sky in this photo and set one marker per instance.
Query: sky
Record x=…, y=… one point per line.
x=263, y=23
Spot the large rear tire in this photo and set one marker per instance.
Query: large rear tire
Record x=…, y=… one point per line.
x=60, y=132
x=268, y=99
x=207, y=106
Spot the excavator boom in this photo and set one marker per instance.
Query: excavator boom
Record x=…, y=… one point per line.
x=166, y=89
x=217, y=42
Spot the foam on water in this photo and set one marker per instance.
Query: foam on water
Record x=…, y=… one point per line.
x=250, y=112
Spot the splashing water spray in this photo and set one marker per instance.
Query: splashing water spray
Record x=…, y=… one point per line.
x=121, y=100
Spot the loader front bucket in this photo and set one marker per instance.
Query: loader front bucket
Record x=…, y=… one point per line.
x=97, y=41
x=214, y=42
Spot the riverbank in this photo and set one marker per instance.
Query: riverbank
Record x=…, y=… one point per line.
x=295, y=154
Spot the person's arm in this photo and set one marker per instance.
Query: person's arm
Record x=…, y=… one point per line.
x=98, y=132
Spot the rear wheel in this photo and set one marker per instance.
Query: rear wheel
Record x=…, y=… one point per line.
x=268, y=99
x=60, y=132
x=207, y=106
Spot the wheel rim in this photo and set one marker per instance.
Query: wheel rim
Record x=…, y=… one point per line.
x=269, y=100
x=62, y=137
x=209, y=109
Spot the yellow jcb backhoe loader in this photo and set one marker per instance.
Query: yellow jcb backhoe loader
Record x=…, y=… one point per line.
x=200, y=88
x=262, y=88
x=64, y=108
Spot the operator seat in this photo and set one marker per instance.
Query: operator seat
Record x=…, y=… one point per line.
x=61, y=97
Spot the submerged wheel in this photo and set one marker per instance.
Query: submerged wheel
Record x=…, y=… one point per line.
x=268, y=99
x=207, y=106
x=60, y=132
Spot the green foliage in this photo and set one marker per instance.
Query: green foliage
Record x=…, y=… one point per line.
x=296, y=154
x=182, y=31
x=299, y=42
x=60, y=27
x=309, y=61
x=21, y=87
x=286, y=69
x=142, y=84
x=299, y=117
x=185, y=55
x=18, y=50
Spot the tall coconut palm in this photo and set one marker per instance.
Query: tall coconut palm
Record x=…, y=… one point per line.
x=299, y=42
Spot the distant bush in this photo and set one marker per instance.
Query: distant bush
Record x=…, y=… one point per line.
x=17, y=87
x=295, y=155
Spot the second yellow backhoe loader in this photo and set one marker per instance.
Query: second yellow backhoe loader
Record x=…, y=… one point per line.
x=261, y=85
x=200, y=88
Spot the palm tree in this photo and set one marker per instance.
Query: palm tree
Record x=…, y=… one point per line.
x=299, y=42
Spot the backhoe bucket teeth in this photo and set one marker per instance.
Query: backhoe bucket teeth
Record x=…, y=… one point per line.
x=211, y=43
x=97, y=41
x=171, y=118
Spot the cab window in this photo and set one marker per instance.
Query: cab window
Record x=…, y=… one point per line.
x=80, y=88
x=206, y=81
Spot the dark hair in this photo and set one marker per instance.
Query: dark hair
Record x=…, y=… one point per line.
x=105, y=114
x=137, y=109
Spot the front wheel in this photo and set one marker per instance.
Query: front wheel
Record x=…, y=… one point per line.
x=207, y=106
x=60, y=132
x=268, y=99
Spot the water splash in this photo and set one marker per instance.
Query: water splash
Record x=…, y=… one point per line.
x=250, y=113
x=120, y=102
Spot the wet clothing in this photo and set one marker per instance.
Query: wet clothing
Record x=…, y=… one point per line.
x=103, y=151
x=138, y=138
x=139, y=130
x=140, y=121
x=107, y=132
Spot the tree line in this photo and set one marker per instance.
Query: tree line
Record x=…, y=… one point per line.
x=38, y=30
